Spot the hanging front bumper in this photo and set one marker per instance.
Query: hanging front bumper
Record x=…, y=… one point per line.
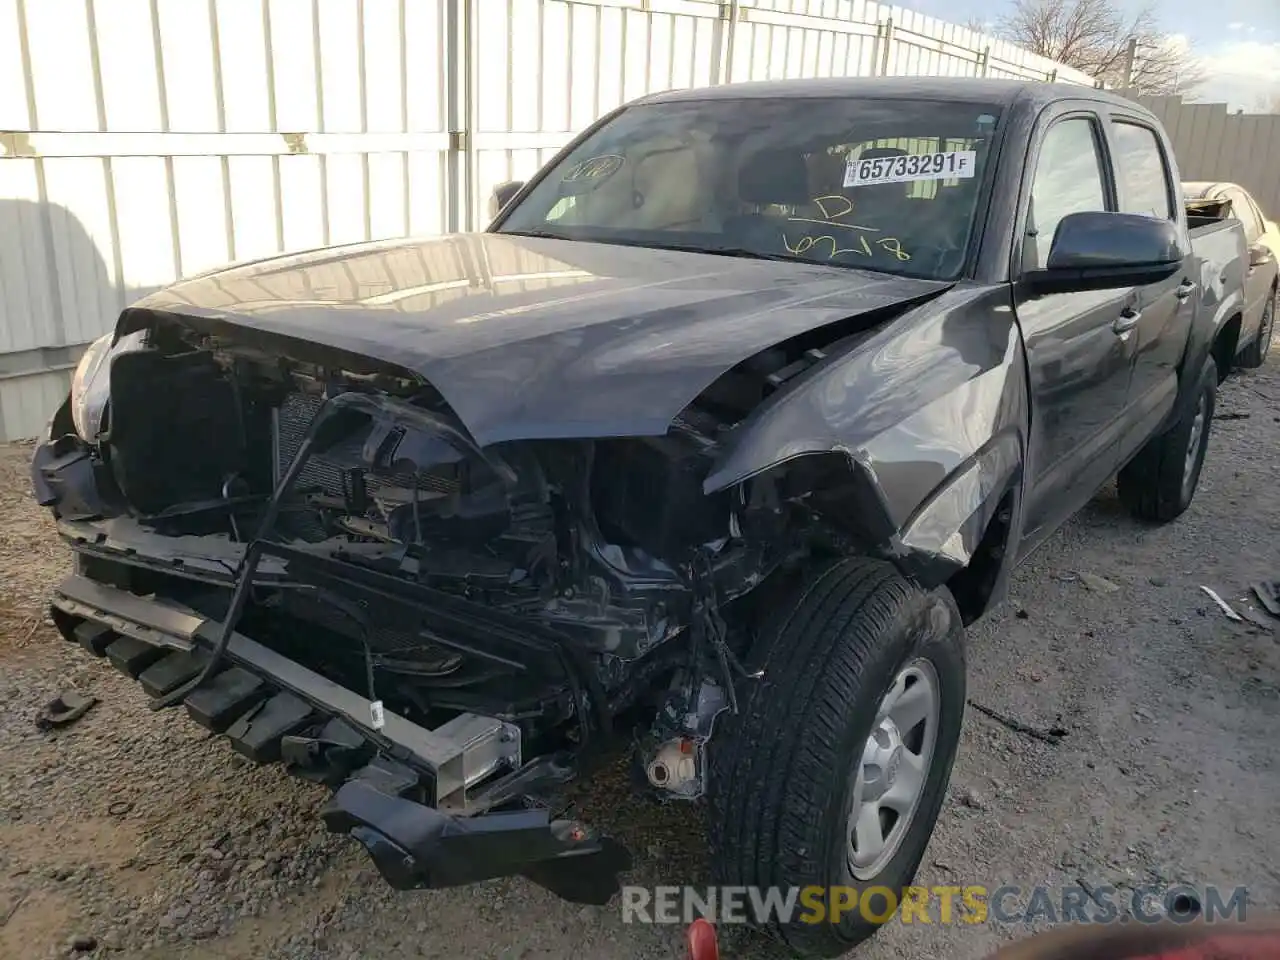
x=403, y=791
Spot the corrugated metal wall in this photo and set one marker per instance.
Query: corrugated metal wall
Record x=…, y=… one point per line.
x=1212, y=144
x=145, y=140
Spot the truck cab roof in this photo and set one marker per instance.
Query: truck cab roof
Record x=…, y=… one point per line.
x=967, y=89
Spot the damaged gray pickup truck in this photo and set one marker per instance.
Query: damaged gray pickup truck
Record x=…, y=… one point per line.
x=705, y=451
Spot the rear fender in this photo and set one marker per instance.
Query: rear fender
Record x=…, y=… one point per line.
x=927, y=418
x=1218, y=304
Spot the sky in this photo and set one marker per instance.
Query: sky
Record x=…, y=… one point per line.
x=1238, y=41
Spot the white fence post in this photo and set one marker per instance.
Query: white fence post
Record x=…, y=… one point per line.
x=883, y=48
x=459, y=61
x=722, y=37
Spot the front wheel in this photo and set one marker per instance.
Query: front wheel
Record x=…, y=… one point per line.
x=830, y=779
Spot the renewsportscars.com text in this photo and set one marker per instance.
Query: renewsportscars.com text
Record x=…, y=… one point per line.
x=1009, y=904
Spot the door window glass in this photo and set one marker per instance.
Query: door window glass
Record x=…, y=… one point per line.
x=1141, y=171
x=1068, y=180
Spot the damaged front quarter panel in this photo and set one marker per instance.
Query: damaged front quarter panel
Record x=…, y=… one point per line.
x=927, y=418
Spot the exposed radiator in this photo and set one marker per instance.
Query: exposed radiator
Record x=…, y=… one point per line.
x=291, y=426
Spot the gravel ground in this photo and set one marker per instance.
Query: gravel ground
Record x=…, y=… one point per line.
x=136, y=835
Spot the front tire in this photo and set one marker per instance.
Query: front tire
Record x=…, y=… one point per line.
x=1160, y=482
x=833, y=773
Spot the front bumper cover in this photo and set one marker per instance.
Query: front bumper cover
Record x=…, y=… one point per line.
x=392, y=785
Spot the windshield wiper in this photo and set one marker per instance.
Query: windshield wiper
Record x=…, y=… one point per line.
x=726, y=252
x=540, y=234
x=682, y=247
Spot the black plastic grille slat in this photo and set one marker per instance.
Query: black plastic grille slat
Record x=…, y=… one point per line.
x=257, y=734
x=172, y=671
x=225, y=697
x=95, y=637
x=131, y=656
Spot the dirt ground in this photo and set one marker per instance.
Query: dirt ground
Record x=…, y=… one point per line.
x=135, y=832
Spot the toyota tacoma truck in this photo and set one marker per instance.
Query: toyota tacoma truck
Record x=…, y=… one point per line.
x=705, y=452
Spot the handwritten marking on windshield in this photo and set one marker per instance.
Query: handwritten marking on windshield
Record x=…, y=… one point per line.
x=833, y=223
x=890, y=245
x=893, y=246
x=832, y=217
x=832, y=208
x=594, y=168
x=806, y=244
x=822, y=202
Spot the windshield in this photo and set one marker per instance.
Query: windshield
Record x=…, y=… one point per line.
x=887, y=185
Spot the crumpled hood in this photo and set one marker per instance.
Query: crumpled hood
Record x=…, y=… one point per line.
x=536, y=338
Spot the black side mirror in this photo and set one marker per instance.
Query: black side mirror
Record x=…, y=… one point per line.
x=1099, y=251
x=503, y=194
x=1260, y=255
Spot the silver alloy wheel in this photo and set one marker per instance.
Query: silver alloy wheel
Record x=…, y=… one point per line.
x=893, y=769
x=1193, y=447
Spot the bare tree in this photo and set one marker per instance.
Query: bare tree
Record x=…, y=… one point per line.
x=1097, y=37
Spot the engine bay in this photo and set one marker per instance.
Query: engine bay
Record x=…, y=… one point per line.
x=541, y=582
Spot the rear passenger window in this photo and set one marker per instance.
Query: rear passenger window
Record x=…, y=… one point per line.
x=1144, y=182
x=1068, y=180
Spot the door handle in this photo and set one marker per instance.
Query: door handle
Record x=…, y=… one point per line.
x=1185, y=289
x=1127, y=320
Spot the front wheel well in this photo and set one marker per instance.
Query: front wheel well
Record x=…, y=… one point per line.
x=1225, y=344
x=974, y=586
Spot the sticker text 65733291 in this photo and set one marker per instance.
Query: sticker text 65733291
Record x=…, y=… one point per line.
x=953, y=164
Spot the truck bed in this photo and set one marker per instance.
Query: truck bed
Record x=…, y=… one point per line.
x=1207, y=213
x=1220, y=242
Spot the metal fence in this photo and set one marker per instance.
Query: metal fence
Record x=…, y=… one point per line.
x=146, y=140
x=1212, y=144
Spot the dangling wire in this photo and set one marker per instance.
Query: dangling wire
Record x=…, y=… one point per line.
x=249, y=563
x=417, y=516
x=709, y=623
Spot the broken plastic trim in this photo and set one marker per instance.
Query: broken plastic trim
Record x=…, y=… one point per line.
x=381, y=411
x=416, y=846
x=587, y=689
x=249, y=563
x=386, y=413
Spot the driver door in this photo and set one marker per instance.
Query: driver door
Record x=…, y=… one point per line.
x=1078, y=355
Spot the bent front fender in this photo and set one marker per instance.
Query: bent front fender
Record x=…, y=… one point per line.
x=931, y=415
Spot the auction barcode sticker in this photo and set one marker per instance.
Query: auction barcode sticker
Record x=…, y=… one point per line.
x=952, y=164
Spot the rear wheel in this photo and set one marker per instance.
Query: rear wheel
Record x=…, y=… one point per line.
x=833, y=773
x=1255, y=354
x=1159, y=483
